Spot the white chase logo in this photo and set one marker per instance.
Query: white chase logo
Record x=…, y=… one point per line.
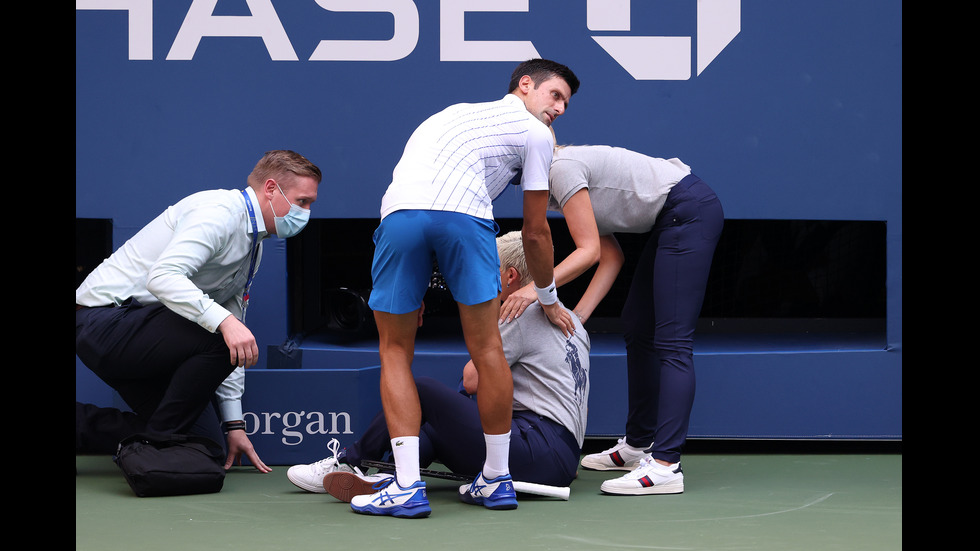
x=644, y=57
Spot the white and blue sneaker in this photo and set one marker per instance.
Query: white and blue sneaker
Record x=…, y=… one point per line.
x=393, y=500
x=493, y=494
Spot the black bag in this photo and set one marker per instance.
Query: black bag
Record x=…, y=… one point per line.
x=171, y=465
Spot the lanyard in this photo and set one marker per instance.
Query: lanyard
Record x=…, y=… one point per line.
x=255, y=250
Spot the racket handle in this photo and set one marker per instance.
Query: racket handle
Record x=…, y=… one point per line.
x=560, y=492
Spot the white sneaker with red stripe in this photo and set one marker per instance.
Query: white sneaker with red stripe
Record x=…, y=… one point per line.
x=649, y=477
x=621, y=457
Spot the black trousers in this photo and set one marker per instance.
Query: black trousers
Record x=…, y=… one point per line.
x=164, y=366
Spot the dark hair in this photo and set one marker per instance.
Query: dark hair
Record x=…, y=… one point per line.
x=541, y=70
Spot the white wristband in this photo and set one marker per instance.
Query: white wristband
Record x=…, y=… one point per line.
x=548, y=295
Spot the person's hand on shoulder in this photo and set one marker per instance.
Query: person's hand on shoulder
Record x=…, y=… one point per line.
x=560, y=317
x=515, y=304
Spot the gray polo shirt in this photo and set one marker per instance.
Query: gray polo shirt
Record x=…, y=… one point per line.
x=627, y=189
x=551, y=372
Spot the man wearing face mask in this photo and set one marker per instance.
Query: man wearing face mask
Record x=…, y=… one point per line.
x=161, y=320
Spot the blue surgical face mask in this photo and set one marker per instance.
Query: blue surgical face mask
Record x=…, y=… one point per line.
x=293, y=222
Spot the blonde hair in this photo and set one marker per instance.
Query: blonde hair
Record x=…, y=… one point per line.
x=510, y=248
x=281, y=164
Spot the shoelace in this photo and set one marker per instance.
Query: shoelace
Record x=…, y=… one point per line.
x=477, y=489
x=641, y=470
x=329, y=464
x=388, y=495
x=648, y=464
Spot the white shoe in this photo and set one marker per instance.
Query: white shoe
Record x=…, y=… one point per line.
x=649, y=477
x=616, y=458
x=310, y=477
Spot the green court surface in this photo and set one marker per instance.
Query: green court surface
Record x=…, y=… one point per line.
x=732, y=501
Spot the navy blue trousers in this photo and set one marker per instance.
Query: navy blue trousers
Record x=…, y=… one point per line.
x=165, y=367
x=541, y=450
x=661, y=313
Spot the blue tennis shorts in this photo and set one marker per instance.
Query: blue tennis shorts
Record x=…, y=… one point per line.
x=408, y=241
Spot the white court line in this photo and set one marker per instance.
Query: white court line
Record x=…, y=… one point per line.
x=606, y=543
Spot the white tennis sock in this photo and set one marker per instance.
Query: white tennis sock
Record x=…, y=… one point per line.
x=498, y=455
x=406, y=452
